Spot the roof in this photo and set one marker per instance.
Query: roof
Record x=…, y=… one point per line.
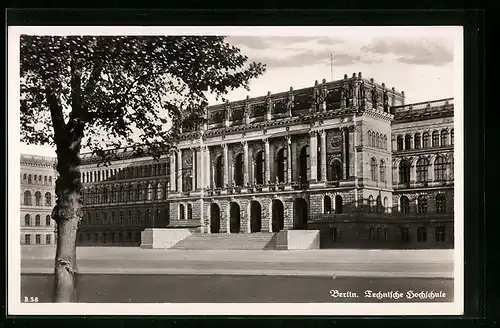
x=423, y=110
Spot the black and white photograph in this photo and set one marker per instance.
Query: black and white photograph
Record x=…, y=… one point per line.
x=235, y=170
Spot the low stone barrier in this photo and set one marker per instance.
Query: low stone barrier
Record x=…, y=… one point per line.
x=162, y=238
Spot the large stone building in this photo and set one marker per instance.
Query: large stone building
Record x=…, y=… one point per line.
x=347, y=157
x=38, y=178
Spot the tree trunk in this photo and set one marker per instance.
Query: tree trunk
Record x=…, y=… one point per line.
x=67, y=213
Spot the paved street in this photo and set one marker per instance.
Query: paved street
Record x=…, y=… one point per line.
x=324, y=263
x=230, y=289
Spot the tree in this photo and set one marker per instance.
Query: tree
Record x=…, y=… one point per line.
x=103, y=92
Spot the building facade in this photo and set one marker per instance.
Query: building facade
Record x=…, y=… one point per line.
x=38, y=176
x=328, y=157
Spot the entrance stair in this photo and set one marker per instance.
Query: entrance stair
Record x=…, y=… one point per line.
x=225, y=241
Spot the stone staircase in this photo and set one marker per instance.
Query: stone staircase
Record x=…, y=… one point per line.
x=225, y=241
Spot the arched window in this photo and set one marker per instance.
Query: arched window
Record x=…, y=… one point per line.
x=435, y=139
x=440, y=169
x=327, y=205
x=37, y=220
x=238, y=172
x=121, y=194
x=259, y=168
x=379, y=205
x=335, y=170
x=38, y=198
x=45, y=180
x=417, y=141
x=371, y=203
x=382, y=171
x=400, y=143
x=452, y=136
x=29, y=178
x=370, y=138
x=50, y=180
x=385, y=142
x=219, y=172
x=440, y=234
x=181, y=212
x=422, y=204
x=281, y=164
x=27, y=198
x=373, y=169
x=444, y=137
x=138, y=192
x=440, y=203
x=404, y=171
x=421, y=234
x=407, y=141
x=47, y=220
x=425, y=140
x=48, y=199
x=422, y=169
x=339, y=208
x=190, y=212
x=404, y=204
x=377, y=141
x=130, y=193
x=27, y=220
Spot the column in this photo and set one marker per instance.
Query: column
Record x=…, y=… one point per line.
x=179, y=168
x=245, y=163
x=172, y=171
x=226, y=165
x=206, y=167
x=289, y=159
x=199, y=169
x=194, y=169
x=323, y=154
x=345, y=135
x=268, y=161
x=314, y=155
x=355, y=166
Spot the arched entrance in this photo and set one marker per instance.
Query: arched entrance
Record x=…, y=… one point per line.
x=303, y=164
x=214, y=218
x=301, y=214
x=278, y=215
x=234, y=218
x=255, y=216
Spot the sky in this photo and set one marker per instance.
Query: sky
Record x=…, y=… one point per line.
x=417, y=61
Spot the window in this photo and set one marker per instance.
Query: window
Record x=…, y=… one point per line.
x=181, y=212
x=27, y=198
x=386, y=233
x=407, y=141
x=338, y=204
x=38, y=199
x=444, y=137
x=440, y=203
x=50, y=180
x=440, y=234
x=385, y=142
x=404, y=204
x=379, y=205
x=404, y=172
x=335, y=171
x=121, y=194
x=373, y=169
x=435, y=139
x=45, y=180
x=370, y=138
x=370, y=233
x=377, y=141
x=190, y=212
x=421, y=234
x=121, y=218
x=370, y=203
x=48, y=239
x=27, y=220
x=405, y=234
x=48, y=199
x=47, y=220
x=105, y=195
x=452, y=137
x=27, y=239
x=425, y=140
x=400, y=143
x=327, y=205
x=382, y=171
x=37, y=220
x=417, y=141
x=440, y=169
x=422, y=204
x=25, y=177
x=38, y=239
x=113, y=217
x=386, y=205
x=422, y=169
x=29, y=178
